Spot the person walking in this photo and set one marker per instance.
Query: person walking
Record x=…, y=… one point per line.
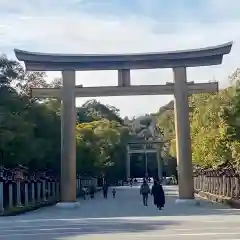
x=158, y=195
x=131, y=182
x=114, y=192
x=144, y=191
x=92, y=191
x=84, y=192
x=105, y=190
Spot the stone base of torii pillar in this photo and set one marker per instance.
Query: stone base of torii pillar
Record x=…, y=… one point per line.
x=187, y=202
x=68, y=205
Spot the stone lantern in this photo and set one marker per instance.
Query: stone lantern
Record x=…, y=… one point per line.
x=10, y=175
x=19, y=173
x=2, y=174
x=2, y=180
x=42, y=175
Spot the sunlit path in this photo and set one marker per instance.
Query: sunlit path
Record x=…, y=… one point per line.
x=126, y=217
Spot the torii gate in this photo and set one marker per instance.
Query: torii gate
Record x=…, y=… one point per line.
x=156, y=149
x=177, y=60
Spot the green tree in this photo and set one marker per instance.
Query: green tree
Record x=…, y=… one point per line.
x=215, y=131
x=30, y=127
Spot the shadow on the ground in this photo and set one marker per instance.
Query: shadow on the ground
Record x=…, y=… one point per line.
x=75, y=228
x=113, y=227
x=128, y=204
x=125, y=214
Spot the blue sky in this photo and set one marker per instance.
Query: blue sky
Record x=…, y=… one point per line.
x=110, y=26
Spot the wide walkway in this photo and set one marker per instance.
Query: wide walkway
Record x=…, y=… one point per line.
x=125, y=218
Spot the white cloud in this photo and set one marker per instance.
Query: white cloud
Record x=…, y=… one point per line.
x=223, y=6
x=85, y=33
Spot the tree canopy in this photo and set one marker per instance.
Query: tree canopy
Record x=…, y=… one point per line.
x=215, y=126
x=30, y=128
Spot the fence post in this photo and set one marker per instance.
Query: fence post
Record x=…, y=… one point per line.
x=26, y=192
x=49, y=189
x=224, y=186
x=18, y=183
x=217, y=185
x=33, y=200
x=10, y=194
x=210, y=184
x=237, y=187
x=1, y=196
x=38, y=190
x=77, y=186
x=228, y=186
x=232, y=180
x=53, y=190
x=44, y=189
x=214, y=184
x=57, y=190
x=2, y=181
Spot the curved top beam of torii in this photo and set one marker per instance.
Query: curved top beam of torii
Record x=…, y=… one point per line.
x=184, y=58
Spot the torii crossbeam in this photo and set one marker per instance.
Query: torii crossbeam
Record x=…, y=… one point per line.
x=167, y=89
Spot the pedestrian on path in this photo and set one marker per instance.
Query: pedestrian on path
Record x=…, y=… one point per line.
x=105, y=190
x=158, y=195
x=114, y=192
x=92, y=191
x=85, y=192
x=131, y=182
x=144, y=191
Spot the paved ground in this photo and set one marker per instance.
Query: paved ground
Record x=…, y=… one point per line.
x=125, y=218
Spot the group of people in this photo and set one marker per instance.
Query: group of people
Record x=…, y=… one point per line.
x=156, y=191
x=135, y=181
x=88, y=191
x=91, y=192
x=105, y=191
x=131, y=181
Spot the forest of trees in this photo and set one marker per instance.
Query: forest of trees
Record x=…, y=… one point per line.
x=215, y=126
x=30, y=127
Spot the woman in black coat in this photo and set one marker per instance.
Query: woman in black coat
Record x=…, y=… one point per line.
x=158, y=195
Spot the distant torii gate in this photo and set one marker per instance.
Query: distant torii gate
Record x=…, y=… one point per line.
x=177, y=60
x=156, y=149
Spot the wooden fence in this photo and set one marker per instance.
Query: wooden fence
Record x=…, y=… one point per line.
x=19, y=190
x=223, y=182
